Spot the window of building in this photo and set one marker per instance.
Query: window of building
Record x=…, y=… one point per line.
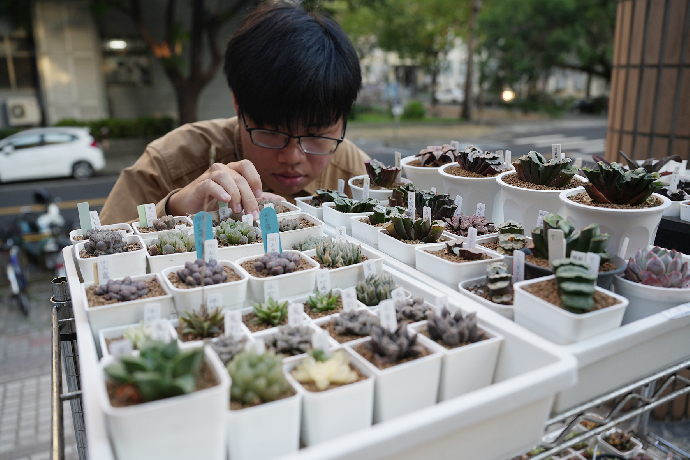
x=126, y=62
x=17, y=61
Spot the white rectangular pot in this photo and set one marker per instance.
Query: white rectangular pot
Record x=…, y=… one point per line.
x=233, y=253
x=156, y=264
x=178, y=220
x=233, y=293
x=505, y=310
x=405, y=253
x=345, y=277
x=130, y=312
x=289, y=239
x=265, y=431
x=289, y=284
x=406, y=387
x=609, y=449
x=336, y=412
x=339, y=219
x=187, y=426
x=451, y=273
x=466, y=368
x=302, y=203
x=123, y=226
x=561, y=326
x=117, y=332
x=131, y=263
x=365, y=232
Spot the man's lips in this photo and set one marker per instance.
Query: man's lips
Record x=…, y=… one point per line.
x=290, y=178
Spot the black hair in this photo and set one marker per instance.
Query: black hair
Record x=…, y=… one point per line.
x=287, y=66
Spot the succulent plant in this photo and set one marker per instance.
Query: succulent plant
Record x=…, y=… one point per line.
x=286, y=225
x=673, y=195
x=335, y=254
x=200, y=273
x=291, y=340
x=650, y=165
x=389, y=347
x=102, y=242
x=500, y=283
x=436, y=155
x=226, y=347
x=658, y=267
x=257, y=378
x=461, y=224
x=161, y=370
x=203, y=323
x=620, y=441
x=122, y=290
x=233, y=232
x=382, y=175
x=611, y=184
x=398, y=195
x=411, y=309
x=274, y=263
x=172, y=242
x=457, y=248
x=477, y=161
x=262, y=202
x=589, y=239
x=442, y=206
x=323, y=302
x=163, y=223
x=375, y=288
x=380, y=217
x=138, y=334
x=576, y=285
x=325, y=195
x=270, y=312
x=454, y=329
x=534, y=168
x=311, y=242
x=354, y=322
x=511, y=237
x=404, y=228
x=335, y=369
x=347, y=205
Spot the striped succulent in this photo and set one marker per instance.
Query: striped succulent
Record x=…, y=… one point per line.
x=335, y=254
x=534, y=168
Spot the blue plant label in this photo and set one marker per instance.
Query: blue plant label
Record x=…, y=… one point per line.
x=268, y=219
x=203, y=230
x=84, y=217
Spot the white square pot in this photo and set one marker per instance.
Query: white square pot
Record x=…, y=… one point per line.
x=365, y=232
x=406, y=387
x=117, y=331
x=178, y=220
x=400, y=250
x=451, y=273
x=646, y=300
x=504, y=310
x=171, y=427
x=132, y=263
x=474, y=190
x=559, y=325
x=156, y=264
x=302, y=203
x=609, y=449
x=466, y=368
x=123, y=226
x=130, y=312
x=289, y=239
x=336, y=412
x=233, y=293
x=340, y=219
x=345, y=277
x=265, y=431
x=423, y=177
x=289, y=284
x=381, y=195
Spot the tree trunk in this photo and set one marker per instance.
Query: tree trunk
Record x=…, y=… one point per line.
x=434, y=77
x=589, y=84
x=466, y=113
x=186, y=104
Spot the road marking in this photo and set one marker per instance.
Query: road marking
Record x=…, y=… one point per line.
x=539, y=140
x=38, y=207
x=569, y=144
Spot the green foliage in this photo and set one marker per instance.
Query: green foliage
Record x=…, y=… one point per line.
x=270, y=312
x=335, y=254
x=172, y=242
x=375, y=288
x=233, y=232
x=576, y=285
x=589, y=239
x=203, y=323
x=475, y=160
x=611, y=184
x=414, y=110
x=257, y=378
x=325, y=195
x=382, y=175
x=511, y=237
x=323, y=302
x=311, y=242
x=424, y=231
x=399, y=195
x=441, y=205
x=348, y=205
x=286, y=225
x=379, y=217
x=124, y=128
x=534, y=168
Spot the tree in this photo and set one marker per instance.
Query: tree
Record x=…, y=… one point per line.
x=181, y=48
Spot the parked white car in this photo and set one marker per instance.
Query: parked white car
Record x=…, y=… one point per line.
x=50, y=152
x=450, y=95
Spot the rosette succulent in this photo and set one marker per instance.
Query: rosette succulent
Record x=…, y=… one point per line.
x=442, y=206
x=257, y=378
x=611, y=184
x=382, y=175
x=226, y=347
x=375, y=288
x=291, y=340
x=650, y=165
x=311, y=242
x=270, y=312
x=164, y=223
x=172, y=242
x=323, y=302
x=658, y=267
x=355, y=322
x=200, y=273
x=475, y=160
x=389, y=347
x=398, y=195
x=203, y=324
x=322, y=373
x=436, y=155
x=461, y=224
x=347, y=205
x=454, y=329
x=382, y=216
x=534, y=168
x=334, y=254
x=406, y=229
x=231, y=232
x=589, y=239
x=275, y=263
x=411, y=309
x=286, y=225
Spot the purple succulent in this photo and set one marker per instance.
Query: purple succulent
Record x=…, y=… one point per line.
x=437, y=155
x=382, y=175
x=659, y=267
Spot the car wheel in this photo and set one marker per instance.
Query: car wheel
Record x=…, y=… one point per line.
x=82, y=170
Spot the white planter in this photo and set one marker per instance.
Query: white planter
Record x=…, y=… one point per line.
x=401, y=251
x=365, y=232
x=639, y=225
x=233, y=293
x=233, y=253
x=559, y=325
x=381, y=195
x=289, y=239
x=156, y=264
x=523, y=205
x=116, y=332
x=291, y=208
x=673, y=210
x=451, y=273
x=265, y=431
x=423, y=177
x=171, y=427
x=178, y=220
x=302, y=203
x=475, y=190
x=132, y=263
x=77, y=232
x=345, y=277
x=289, y=284
x=406, y=387
x=505, y=310
x=340, y=219
x=466, y=368
x=685, y=211
x=609, y=449
x=647, y=300
x=336, y=412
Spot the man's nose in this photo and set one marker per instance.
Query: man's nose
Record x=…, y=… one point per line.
x=292, y=153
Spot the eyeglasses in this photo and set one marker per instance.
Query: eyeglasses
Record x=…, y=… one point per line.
x=314, y=145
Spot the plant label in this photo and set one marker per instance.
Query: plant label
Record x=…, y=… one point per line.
x=151, y=215
x=458, y=203
x=518, y=266
x=411, y=205
x=104, y=265
x=500, y=155
x=257, y=346
x=481, y=207
x=540, y=217
x=323, y=280
x=295, y=314
x=223, y=210
x=160, y=330
x=341, y=186
x=675, y=178
x=142, y=215
x=210, y=249
x=387, y=315
x=624, y=247
x=426, y=211
x=268, y=219
x=180, y=227
x=398, y=157
x=455, y=145
x=349, y=297
x=369, y=268
x=365, y=188
x=508, y=158
x=120, y=347
x=269, y=205
x=248, y=219
x=214, y=300
x=203, y=230
x=556, y=151
x=95, y=220
x=678, y=311
x=85, y=217
x=398, y=294
x=593, y=260
x=556, y=244
x=272, y=243
x=578, y=162
x=152, y=312
x=579, y=256
x=440, y=302
x=341, y=234
x=433, y=190
x=471, y=237
x=271, y=290
x=320, y=341
x=233, y=324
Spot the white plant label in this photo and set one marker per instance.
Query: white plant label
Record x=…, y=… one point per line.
x=151, y=215
x=295, y=314
x=556, y=240
x=540, y=217
x=387, y=315
x=271, y=290
x=458, y=203
x=181, y=227
x=556, y=151
x=518, y=266
x=121, y=347
x=273, y=242
x=210, y=249
x=471, y=237
x=104, y=265
x=323, y=280
x=269, y=205
x=508, y=157
x=349, y=296
x=593, y=260
x=455, y=145
x=341, y=185
x=500, y=155
x=160, y=330
x=440, y=302
x=214, y=300
x=257, y=346
x=365, y=188
x=410, y=205
x=233, y=324
x=96, y=221
x=398, y=294
x=152, y=312
x=678, y=311
x=369, y=268
x=319, y=341
x=579, y=256
x=433, y=190
x=578, y=162
x=398, y=157
x=481, y=207
x=248, y=219
x=341, y=234
x=223, y=210
x=624, y=247
x=426, y=211
x=675, y=178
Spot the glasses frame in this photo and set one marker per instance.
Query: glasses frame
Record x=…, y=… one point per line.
x=290, y=136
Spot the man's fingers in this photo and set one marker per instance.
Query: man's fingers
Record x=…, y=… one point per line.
x=210, y=187
x=247, y=170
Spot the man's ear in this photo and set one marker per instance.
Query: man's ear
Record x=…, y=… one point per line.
x=234, y=102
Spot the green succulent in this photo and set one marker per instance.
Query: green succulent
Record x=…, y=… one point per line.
x=511, y=236
x=334, y=254
x=325, y=196
x=311, y=242
x=323, y=302
x=534, y=168
x=375, y=288
x=203, y=323
x=347, y=205
x=477, y=161
x=382, y=175
x=500, y=283
x=270, y=312
x=382, y=216
x=233, y=233
x=458, y=249
x=576, y=285
x=286, y=225
x=611, y=184
x=442, y=205
x=138, y=334
x=172, y=242
x=257, y=378
x=398, y=195
x=589, y=239
x=404, y=228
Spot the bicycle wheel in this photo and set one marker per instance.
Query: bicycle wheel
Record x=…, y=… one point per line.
x=23, y=302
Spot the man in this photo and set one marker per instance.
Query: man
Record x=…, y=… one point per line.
x=294, y=77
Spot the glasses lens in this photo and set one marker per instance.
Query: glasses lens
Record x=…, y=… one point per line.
x=318, y=145
x=269, y=139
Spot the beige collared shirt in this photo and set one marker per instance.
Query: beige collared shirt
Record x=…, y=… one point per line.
x=178, y=158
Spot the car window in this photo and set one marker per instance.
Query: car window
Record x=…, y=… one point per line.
x=28, y=141
x=57, y=138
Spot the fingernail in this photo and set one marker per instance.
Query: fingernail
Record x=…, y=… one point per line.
x=258, y=192
x=238, y=208
x=225, y=197
x=255, y=214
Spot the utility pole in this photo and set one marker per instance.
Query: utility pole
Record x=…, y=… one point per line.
x=466, y=113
